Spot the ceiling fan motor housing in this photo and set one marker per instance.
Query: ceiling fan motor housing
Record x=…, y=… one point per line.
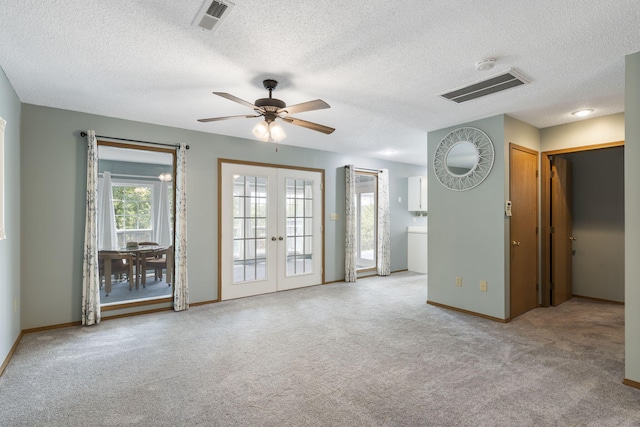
x=270, y=102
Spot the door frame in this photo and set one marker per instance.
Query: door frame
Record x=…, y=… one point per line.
x=545, y=195
x=221, y=161
x=364, y=271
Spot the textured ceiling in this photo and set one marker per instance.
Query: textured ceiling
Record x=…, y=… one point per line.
x=379, y=64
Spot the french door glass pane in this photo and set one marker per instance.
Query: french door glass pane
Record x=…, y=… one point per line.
x=249, y=228
x=298, y=206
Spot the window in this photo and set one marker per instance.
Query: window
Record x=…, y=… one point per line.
x=133, y=211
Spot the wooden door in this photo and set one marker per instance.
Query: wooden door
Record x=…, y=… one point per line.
x=561, y=231
x=523, y=190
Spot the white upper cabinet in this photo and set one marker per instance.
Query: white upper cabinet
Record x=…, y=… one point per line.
x=417, y=198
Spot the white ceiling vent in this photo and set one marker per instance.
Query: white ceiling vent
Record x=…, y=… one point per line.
x=212, y=13
x=497, y=83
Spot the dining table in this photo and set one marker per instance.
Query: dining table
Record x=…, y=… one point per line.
x=139, y=252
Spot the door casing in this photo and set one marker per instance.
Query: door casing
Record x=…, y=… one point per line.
x=545, y=195
x=268, y=165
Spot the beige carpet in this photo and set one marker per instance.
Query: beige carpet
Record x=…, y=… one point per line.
x=370, y=353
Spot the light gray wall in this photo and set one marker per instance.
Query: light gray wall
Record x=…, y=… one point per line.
x=598, y=130
x=10, y=325
x=54, y=209
x=467, y=233
x=598, y=223
x=632, y=217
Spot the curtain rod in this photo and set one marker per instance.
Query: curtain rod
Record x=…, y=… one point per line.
x=367, y=170
x=83, y=134
x=121, y=175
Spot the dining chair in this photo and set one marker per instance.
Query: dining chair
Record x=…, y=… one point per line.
x=157, y=260
x=114, y=262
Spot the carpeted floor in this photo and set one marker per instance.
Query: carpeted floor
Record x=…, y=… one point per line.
x=370, y=353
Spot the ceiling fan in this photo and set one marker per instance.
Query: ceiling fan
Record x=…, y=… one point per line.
x=271, y=109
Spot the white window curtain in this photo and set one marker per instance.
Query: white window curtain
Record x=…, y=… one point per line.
x=163, y=225
x=350, y=236
x=107, y=232
x=384, y=234
x=3, y=234
x=90, y=278
x=181, y=290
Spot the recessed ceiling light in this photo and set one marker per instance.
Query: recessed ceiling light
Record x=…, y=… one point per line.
x=388, y=152
x=582, y=113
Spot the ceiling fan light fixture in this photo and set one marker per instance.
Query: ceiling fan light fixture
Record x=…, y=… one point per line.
x=276, y=133
x=271, y=109
x=261, y=131
x=271, y=132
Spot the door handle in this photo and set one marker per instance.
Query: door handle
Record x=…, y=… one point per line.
x=273, y=238
x=514, y=243
x=573, y=239
x=280, y=238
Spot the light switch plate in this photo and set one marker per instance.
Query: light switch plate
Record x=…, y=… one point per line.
x=333, y=217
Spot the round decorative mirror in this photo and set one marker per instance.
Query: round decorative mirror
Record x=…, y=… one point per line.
x=463, y=159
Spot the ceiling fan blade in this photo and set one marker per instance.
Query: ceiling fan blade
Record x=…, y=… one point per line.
x=215, y=119
x=236, y=99
x=309, y=125
x=317, y=104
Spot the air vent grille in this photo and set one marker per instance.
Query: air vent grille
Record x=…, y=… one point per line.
x=486, y=87
x=212, y=13
x=216, y=9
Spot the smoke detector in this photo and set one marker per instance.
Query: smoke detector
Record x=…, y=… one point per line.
x=485, y=64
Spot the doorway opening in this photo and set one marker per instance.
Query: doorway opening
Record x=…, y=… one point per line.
x=367, y=219
x=136, y=203
x=583, y=229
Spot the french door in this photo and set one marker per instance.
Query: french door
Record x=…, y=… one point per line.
x=271, y=229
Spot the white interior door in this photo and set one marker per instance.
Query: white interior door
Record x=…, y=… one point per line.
x=271, y=229
x=300, y=227
x=248, y=221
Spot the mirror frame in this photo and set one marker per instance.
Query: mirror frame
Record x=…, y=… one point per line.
x=478, y=172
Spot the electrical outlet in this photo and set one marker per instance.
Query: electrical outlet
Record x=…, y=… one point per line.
x=458, y=281
x=333, y=217
x=483, y=286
